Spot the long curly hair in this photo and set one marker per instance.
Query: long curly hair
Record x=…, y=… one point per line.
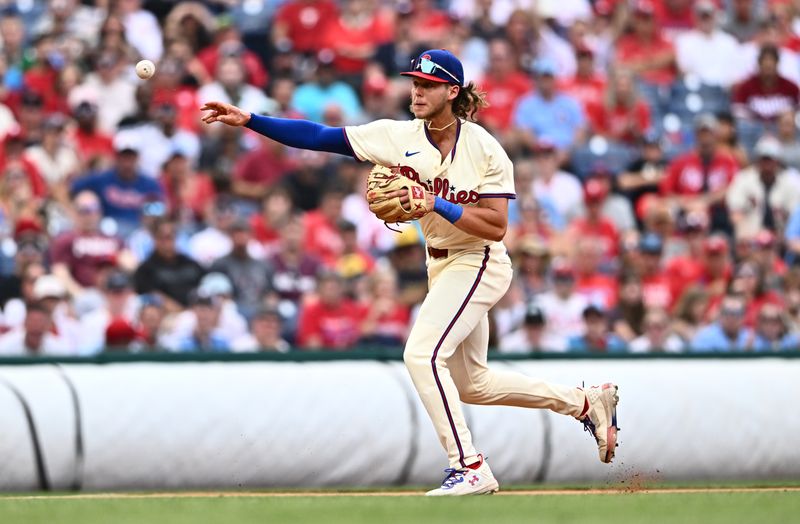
x=469, y=101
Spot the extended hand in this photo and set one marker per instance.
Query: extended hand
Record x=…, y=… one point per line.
x=225, y=113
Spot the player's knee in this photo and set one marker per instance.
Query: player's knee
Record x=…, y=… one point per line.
x=476, y=391
x=414, y=358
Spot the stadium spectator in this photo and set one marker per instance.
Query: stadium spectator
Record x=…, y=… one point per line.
x=563, y=308
x=106, y=88
x=259, y=171
x=94, y=147
x=590, y=281
x=205, y=336
x=230, y=86
x=13, y=161
x=299, y=25
x=504, y=85
x=728, y=137
x=167, y=272
x=560, y=187
x=18, y=291
x=214, y=240
x=595, y=225
x=275, y=213
x=354, y=35
x=386, y=320
x=597, y=338
x=192, y=22
x=187, y=193
x=53, y=157
x=548, y=114
x=295, y=272
x=250, y=277
x=150, y=322
x=325, y=89
x=742, y=18
x=771, y=331
x=79, y=256
x=749, y=282
x=322, y=236
x=763, y=195
x=657, y=337
x=330, y=321
x=264, y=335
x=786, y=133
x=728, y=332
x=353, y=263
x=428, y=24
x=34, y=337
x=530, y=337
x=792, y=237
x=531, y=263
x=627, y=318
x=228, y=325
x=161, y=138
x=645, y=51
x=622, y=116
x=119, y=304
x=701, y=177
x=142, y=29
x=121, y=336
x=643, y=176
x=50, y=293
x=123, y=189
x=228, y=44
x=707, y=52
x=765, y=253
x=690, y=312
x=656, y=289
x=764, y=96
x=588, y=85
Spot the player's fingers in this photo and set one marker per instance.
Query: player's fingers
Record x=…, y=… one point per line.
x=212, y=106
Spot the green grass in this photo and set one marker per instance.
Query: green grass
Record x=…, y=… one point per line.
x=624, y=508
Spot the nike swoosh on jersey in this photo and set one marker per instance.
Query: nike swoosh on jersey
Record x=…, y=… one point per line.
x=411, y=154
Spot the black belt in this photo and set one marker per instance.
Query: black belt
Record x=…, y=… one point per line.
x=437, y=253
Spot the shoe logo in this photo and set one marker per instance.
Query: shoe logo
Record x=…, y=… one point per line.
x=408, y=153
x=474, y=480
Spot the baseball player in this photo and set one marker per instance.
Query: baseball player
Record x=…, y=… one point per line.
x=468, y=179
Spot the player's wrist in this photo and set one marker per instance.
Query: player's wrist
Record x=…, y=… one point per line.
x=248, y=119
x=449, y=211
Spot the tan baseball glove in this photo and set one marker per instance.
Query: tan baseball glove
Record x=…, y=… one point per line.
x=383, y=181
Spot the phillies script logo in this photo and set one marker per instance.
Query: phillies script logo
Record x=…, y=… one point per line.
x=441, y=187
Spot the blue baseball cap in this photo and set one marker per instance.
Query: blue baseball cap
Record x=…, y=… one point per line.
x=544, y=66
x=651, y=243
x=438, y=65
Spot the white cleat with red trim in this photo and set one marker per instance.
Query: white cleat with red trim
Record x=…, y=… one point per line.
x=601, y=418
x=467, y=481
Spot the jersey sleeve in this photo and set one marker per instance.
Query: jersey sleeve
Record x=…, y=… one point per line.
x=499, y=179
x=371, y=142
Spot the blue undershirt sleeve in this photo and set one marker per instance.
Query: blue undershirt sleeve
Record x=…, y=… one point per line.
x=301, y=134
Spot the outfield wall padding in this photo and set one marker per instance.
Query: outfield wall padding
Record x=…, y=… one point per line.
x=312, y=424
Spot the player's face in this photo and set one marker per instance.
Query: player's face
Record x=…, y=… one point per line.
x=428, y=99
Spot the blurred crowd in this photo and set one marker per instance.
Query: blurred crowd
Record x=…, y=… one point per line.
x=655, y=145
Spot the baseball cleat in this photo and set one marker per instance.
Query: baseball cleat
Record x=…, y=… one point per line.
x=601, y=418
x=467, y=481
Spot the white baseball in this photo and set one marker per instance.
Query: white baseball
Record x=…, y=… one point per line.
x=145, y=69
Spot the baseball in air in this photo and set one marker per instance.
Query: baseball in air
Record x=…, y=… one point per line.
x=145, y=69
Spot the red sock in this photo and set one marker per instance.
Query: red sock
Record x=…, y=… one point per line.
x=585, y=407
x=477, y=464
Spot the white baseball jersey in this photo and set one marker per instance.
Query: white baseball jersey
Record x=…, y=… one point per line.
x=476, y=168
